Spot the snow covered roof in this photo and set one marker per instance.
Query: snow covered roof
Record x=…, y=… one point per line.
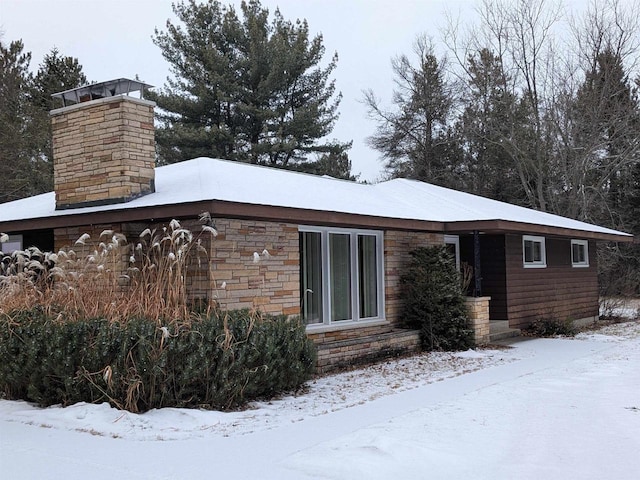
x=207, y=179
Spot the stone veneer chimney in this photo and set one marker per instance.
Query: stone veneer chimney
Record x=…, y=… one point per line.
x=103, y=144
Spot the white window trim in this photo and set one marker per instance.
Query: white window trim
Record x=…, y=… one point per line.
x=584, y=243
x=543, y=250
x=454, y=240
x=326, y=297
x=15, y=242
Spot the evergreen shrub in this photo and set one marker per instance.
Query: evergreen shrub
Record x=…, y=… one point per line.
x=218, y=361
x=434, y=302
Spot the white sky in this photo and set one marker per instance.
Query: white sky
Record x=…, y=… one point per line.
x=112, y=39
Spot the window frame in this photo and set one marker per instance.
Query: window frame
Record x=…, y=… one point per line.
x=585, y=244
x=454, y=240
x=13, y=239
x=354, y=234
x=542, y=263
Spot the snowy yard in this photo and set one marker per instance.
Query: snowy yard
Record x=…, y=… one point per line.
x=546, y=408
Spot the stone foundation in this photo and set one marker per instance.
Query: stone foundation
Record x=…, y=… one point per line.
x=361, y=350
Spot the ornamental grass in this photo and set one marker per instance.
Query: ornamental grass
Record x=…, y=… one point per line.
x=108, y=277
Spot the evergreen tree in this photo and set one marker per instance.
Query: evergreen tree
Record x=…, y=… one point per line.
x=490, y=114
x=433, y=300
x=334, y=163
x=15, y=126
x=415, y=138
x=244, y=88
x=25, y=129
x=606, y=129
x=56, y=73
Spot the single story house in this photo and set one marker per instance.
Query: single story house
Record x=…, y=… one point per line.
x=337, y=248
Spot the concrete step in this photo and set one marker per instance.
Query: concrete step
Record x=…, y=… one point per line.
x=504, y=335
x=499, y=330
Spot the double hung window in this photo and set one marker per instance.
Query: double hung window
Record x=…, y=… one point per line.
x=341, y=275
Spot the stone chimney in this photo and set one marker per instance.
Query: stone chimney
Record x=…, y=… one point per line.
x=103, y=144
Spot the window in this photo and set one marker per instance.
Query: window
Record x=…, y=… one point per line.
x=452, y=242
x=340, y=275
x=533, y=252
x=580, y=253
x=12, y=244
x=311, y=276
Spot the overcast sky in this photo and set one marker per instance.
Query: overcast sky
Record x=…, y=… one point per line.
x=112, y=39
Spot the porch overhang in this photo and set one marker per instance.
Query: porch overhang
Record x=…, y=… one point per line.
x=507, y=226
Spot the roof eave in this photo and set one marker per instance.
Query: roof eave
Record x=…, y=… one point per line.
x=506, y=226
x=220, y=208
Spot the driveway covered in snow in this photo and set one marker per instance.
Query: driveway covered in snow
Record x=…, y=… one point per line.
x=546, y=408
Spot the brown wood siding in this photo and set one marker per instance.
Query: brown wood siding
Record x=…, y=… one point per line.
x=558, y=291
x=492, y=265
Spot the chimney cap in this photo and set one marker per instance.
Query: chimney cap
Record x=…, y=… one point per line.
x=110, y=88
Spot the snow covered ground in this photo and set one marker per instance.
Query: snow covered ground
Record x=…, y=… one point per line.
x=546, y=408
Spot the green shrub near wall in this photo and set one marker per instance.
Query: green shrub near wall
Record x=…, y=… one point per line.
x=434, y=301
x=217, y=362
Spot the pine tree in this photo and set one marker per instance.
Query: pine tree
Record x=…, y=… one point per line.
x=55, y=74
x=25, y=129
x=414, y=138
x=606, y=129
x=245, y=88
x=433, y=301
x=490, y=115
x=15, y=128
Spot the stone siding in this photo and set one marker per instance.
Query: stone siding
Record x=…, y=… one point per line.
x=478, y=310
x=397, y=245
x=103, y=151
x=273, y=283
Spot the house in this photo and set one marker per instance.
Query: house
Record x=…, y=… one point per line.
x=336, y=248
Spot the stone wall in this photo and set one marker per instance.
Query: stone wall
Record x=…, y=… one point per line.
x=103, y=150
x=397, y=245
x=348, y=333
x=271, y=284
